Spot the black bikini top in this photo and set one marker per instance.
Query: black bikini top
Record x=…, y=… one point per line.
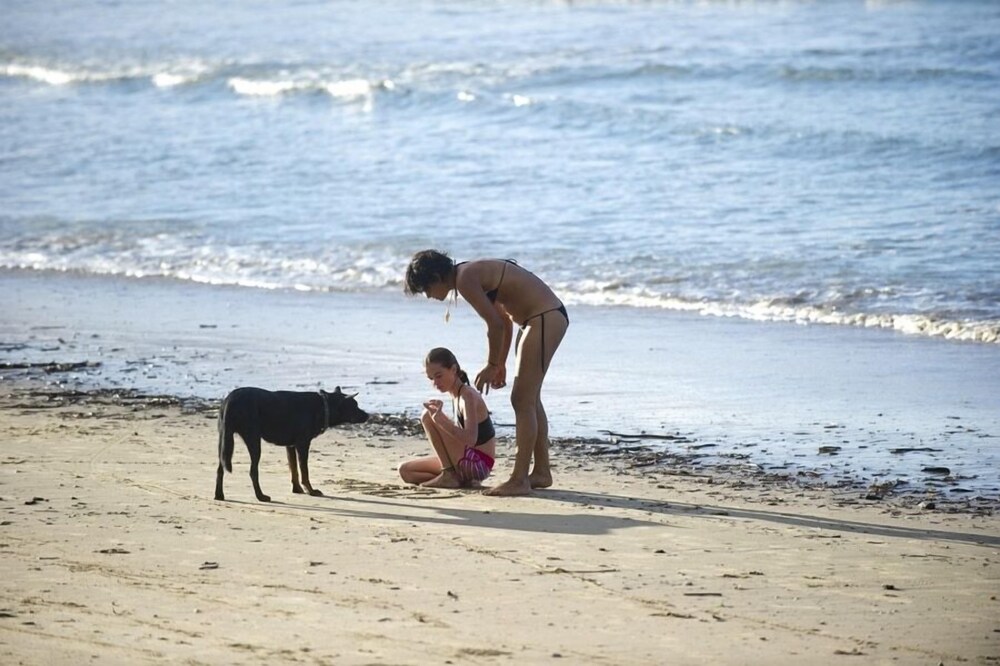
x=486, y=429
x=492, y=293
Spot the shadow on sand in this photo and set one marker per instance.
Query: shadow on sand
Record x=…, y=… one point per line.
x=399, y=503
x=760, y=515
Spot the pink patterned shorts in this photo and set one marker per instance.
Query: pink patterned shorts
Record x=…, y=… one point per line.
x=475, y=465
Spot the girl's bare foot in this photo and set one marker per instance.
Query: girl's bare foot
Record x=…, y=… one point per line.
x=540, y=479
x=446, y=479
x=510, y=488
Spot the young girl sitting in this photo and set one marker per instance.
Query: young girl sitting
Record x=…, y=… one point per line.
x=465, y=450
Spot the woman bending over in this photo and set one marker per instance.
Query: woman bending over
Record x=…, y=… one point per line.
x=502, y=293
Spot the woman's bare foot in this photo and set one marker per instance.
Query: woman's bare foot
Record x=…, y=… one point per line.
x=510, y=488
x=446, y=479
x=540, y=479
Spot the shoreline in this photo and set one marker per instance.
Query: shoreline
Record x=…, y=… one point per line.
x=115, y=551
x=847, y=408
x=618, y=454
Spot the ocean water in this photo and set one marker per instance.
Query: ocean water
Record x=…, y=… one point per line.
x=831, y=162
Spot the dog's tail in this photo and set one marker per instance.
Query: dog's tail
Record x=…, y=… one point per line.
x=226, y=443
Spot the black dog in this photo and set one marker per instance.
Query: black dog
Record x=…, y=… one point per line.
x=286, y=418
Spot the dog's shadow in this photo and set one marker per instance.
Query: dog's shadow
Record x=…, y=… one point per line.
x=410, y=504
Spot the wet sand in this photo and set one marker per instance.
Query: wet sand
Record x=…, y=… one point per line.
x=113, y=551
x=847, y=408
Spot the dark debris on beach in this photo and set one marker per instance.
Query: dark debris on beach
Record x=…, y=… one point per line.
x=43, y=398
x=656, y=456
x=632, y=454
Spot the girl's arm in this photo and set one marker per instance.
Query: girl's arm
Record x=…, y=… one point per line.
x=465, y=435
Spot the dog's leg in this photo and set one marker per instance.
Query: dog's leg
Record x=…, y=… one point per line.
x=293, y=467
x=253, y=446
x=225, y=451
x=304, y=466
x=218, y=483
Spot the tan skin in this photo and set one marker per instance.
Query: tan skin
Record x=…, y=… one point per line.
x=522, y=295
x=448, y=439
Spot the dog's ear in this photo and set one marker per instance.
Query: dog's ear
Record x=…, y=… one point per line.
x=353, y=395
x=337, y=390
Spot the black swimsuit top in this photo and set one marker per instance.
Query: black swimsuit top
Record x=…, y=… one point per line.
x=492, y=293
x=486, y=429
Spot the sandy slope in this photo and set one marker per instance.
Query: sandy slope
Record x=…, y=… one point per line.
x=113, y=551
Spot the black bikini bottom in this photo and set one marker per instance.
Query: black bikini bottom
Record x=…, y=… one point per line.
x=561, y=310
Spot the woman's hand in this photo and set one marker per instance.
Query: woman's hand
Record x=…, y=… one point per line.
x=501, y=379
x=491, y=376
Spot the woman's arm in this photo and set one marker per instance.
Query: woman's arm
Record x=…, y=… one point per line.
x=470, y=287
x=508, y=331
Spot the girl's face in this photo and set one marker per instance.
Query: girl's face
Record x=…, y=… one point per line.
x=438, y=291
x=443, y=378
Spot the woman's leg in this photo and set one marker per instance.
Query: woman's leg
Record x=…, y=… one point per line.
x=539, y=341
x=541, y=475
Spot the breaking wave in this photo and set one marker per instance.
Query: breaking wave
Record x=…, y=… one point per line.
x=369, y=269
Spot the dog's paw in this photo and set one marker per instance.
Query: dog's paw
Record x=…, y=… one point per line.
x=263, y=498
x=297, y=490
x=315, y=493
x=220, y=496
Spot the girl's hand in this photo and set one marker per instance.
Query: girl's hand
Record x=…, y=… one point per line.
x=433, y=405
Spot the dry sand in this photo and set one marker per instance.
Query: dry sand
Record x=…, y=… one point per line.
x=113, y=551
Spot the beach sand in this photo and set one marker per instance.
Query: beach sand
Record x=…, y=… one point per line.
x=113, y=551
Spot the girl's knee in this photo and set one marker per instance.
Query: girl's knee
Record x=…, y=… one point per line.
x=406, y=472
